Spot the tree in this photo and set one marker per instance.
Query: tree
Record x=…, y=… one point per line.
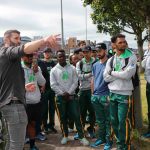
x=131, y=16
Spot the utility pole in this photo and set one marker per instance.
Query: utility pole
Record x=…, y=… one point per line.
x=86, y=24
x=62, y=28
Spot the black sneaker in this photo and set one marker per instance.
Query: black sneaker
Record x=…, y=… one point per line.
x=41, y=137
x=52, y=129
x=91, y=132
x=34, y=148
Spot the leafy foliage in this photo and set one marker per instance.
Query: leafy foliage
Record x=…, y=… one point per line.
x=131, y=16
x=114, y=16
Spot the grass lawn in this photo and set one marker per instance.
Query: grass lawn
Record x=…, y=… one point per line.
x=140, y=143
x=143, y=98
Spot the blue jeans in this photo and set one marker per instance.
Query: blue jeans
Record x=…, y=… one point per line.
x=16, y=121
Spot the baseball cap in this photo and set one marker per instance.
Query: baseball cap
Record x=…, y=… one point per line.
x=77, y=50
x=93, y=48
x=47, y=50
x=100, y=46
x=86, y=48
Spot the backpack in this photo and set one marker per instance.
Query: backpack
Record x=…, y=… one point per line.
x=135, y=78
x=81, y=66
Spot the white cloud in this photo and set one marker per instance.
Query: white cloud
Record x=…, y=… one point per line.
x=42, y=17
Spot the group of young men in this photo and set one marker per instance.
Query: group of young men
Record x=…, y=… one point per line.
x=105, y=87
x=90, y=85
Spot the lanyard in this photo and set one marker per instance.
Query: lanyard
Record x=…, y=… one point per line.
x=118, y=64
x=30, y=75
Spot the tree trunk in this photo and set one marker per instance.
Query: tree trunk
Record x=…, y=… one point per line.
x=136, y=93
x=137, y=105
x=140, y=51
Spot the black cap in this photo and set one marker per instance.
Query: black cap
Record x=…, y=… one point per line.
x=86, y=48
x=47, y=50
x=77, y=50
x=100, y=46
x=93, y=48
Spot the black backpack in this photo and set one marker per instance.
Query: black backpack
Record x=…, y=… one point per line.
x=135, y=78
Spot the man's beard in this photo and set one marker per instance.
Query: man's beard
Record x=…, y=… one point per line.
x=101, y=56
x=121, y=49
x=14, y=44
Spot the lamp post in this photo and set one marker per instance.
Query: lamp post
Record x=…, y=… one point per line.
x=62, y=28
x=86, y=24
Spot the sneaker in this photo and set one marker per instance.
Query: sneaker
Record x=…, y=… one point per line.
x=91, y=133
x=34, y=148
x=108, y=145
x=41, y=137
x=64, y=140
x=97, y=143
x=84, y=141
x=52, y=129
x=146, y=135
x=43, y=133
x=119, y=147
x=45, y=130
x=27, y=140
x=70, y=130
x=76, y=136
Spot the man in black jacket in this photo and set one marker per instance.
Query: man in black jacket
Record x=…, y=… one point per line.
x=48, y=97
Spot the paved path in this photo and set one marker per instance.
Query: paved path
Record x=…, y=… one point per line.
x=53, y=143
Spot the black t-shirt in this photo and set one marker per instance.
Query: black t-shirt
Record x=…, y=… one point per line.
x=46, y=68
x=12, y=82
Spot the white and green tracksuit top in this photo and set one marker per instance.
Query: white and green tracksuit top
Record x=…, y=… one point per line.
x=120, y=80
x=63, y=79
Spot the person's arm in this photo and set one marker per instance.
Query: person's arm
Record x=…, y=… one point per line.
x=147, y=70
x=128, y=72
x=50, y=41
x=106, y=74
x=14, y=53
x=92, y=85
x=40, y=79
x=143, y=63
x=92, y=79
x=82, y=75
x=75, y=82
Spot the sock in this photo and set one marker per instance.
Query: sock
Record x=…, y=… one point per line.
x=32, y=143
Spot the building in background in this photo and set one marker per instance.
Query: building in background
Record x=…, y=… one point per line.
x=72, y=42
x=37, y=37
x=108, y=44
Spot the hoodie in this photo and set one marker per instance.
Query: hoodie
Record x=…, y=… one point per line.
x=38, y=79
x=120, y=79
x=63, y=79
x=85, y=74
x=146, y=66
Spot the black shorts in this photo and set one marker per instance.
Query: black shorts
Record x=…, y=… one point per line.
x=34, y=111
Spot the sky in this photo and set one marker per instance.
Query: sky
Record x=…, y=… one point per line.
x=43, y=17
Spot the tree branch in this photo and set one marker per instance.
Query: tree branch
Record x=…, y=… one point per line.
x=128, y=31
x=145, y=38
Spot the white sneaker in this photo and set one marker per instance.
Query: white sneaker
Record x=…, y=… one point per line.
x=70, y=130
x=84, y=141
x=64, y=140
